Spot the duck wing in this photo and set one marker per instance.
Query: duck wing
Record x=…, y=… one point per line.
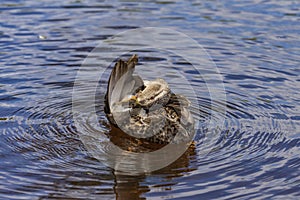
x=122, y=82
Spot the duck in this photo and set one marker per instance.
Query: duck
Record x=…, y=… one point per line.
x=147, y=110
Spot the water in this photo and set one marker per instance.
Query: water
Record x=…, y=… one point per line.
x=253, y=151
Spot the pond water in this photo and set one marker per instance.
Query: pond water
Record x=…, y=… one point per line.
x=246, y=144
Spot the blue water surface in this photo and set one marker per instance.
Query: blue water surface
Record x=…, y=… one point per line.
x=255, y=46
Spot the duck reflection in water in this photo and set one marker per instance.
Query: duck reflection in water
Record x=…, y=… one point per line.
x=137, y=187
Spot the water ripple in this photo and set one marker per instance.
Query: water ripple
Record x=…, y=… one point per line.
x=246, y=146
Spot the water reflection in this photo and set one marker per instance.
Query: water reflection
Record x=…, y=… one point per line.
x=133, y=187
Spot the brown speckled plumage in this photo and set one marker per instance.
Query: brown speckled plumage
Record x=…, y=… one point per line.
x=157, y=114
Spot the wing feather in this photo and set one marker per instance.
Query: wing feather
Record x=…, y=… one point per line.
x=121, y=82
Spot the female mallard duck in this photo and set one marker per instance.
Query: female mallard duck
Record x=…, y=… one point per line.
x=145, y=109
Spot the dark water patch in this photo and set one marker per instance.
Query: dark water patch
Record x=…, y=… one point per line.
x=121, y=27
x=145, y=59
x=60, y=84
x=81, y=6
x=251, y=86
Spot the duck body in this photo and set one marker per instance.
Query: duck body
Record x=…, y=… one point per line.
x=146, y=109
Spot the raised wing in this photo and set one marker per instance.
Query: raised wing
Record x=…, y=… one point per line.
x=121, y=82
